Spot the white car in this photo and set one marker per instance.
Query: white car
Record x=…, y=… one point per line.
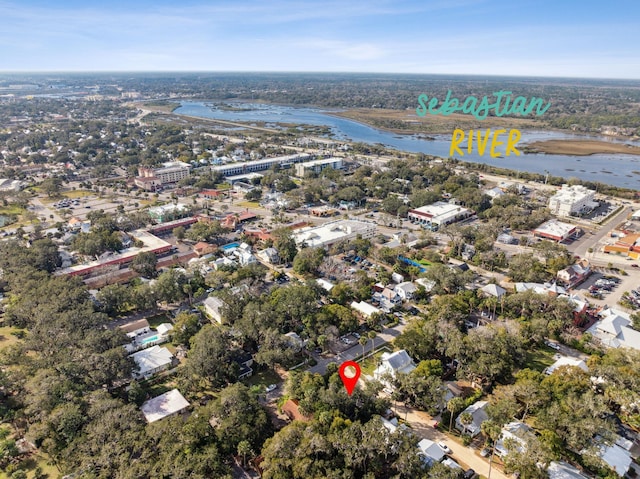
x=552, y=345
x=444, y=447
x=270, y=387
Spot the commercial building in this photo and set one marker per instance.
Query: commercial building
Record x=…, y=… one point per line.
x=169, y=211
x=316, y=166
x=438, y=214
x=334, y=232
x=243, y=168
x=150, y=243
x=572, y=201
x=169, y=173
x=555, y=230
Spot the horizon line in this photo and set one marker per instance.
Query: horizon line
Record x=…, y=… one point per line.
x=304, y=72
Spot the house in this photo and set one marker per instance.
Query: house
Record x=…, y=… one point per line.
x=517, y=433
x=430, y=452
x=269, y=255
x=428, y=285
x=136, y=328
x=165, y=405
x=494, y=193
x=223, y=262
x=405, y=290
x=478, y=416
x=202, y=248
x=213, y=307
x=575, y=274
x=494, y=290
x=563, y=470
x=364, y=308
x=324, y=284
x=614, y=330
x=151, y=361
x=392, y=364
x=616, y=457
x=388, y=298
x=164, y=328
x=294, y=340
x=567, y=361
x=580, y=307
x=244, y=361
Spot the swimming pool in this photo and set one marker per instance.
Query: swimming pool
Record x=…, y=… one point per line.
x=150, y=339
x=229, y=246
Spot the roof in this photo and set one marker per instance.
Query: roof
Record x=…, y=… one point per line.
x=615, y=457
x=407, y=287
x=399, y=361
x=494, y=290
x=439, y=212
x=365, y=308
x=291, y=409
x=567, y=361
x=555, y=230
x=614, y=330
x=164, y=328
x=135, y=326
x=164, y=405
x=152, y=358
x=563, y=470
x=431, y=449
x=324, y=284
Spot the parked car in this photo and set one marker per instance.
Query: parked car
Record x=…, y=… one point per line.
x=552, y=345
x=270, y=387
x=444, y=447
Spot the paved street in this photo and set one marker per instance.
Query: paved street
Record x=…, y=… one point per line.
x=422, y=424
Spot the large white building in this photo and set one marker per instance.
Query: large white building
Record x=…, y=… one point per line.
x=316, y=166
x=572, y=201
x=438, y=214
x=170, y=172
x=242, y=168
x=334, y=232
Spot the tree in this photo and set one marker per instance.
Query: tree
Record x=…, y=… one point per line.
x=363, y=342
x=492, y=431
x=244, y=450
x=308, y=260
x=179, y=233
x=465, y=419
x=454, y=405
x=145, y=264
x=210, y=363
x=186, y=325
x=372, y=336
x=285, y=244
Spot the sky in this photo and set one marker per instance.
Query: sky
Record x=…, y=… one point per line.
x=559, y=38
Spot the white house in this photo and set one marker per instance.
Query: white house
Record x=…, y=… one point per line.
x=388, y=298
x=151, y=361
x=364, y=308
x=567, y=361
x=563, y=470
x=165, y=405
x=430, y=451
x=478, y=415
x=269, y=255
x=213, y=307
x=406, y=290
x=614, y=330
x=494, y=290
x=392, y=364
x=518, y=432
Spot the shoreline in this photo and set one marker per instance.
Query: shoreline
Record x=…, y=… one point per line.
x=580, y=147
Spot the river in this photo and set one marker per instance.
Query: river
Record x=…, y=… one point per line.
x=615, y=169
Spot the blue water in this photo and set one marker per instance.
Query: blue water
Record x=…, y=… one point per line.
x=619, y=170
x=150, y=339
x=229, y=246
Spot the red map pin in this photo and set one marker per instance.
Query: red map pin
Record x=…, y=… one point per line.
x=349, y=373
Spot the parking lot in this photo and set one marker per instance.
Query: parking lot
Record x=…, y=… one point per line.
x=611, y=295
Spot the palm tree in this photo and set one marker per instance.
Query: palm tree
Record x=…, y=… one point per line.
x=372, y=336
x=492, y=431
x=453, y=406
x=244, y=450
x=363, y=342
x=465, y=419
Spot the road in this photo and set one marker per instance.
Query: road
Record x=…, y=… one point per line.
x=422, y=425
x=591, y=240
x=355, y=352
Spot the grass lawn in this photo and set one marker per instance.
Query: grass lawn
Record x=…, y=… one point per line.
x=424, y=262
x=540, y=358
x=371, y=363
x=249, y=204
x=262, y=378
x=6, y=338
x=37, y=460
x=12, y=210
x=155, y=321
